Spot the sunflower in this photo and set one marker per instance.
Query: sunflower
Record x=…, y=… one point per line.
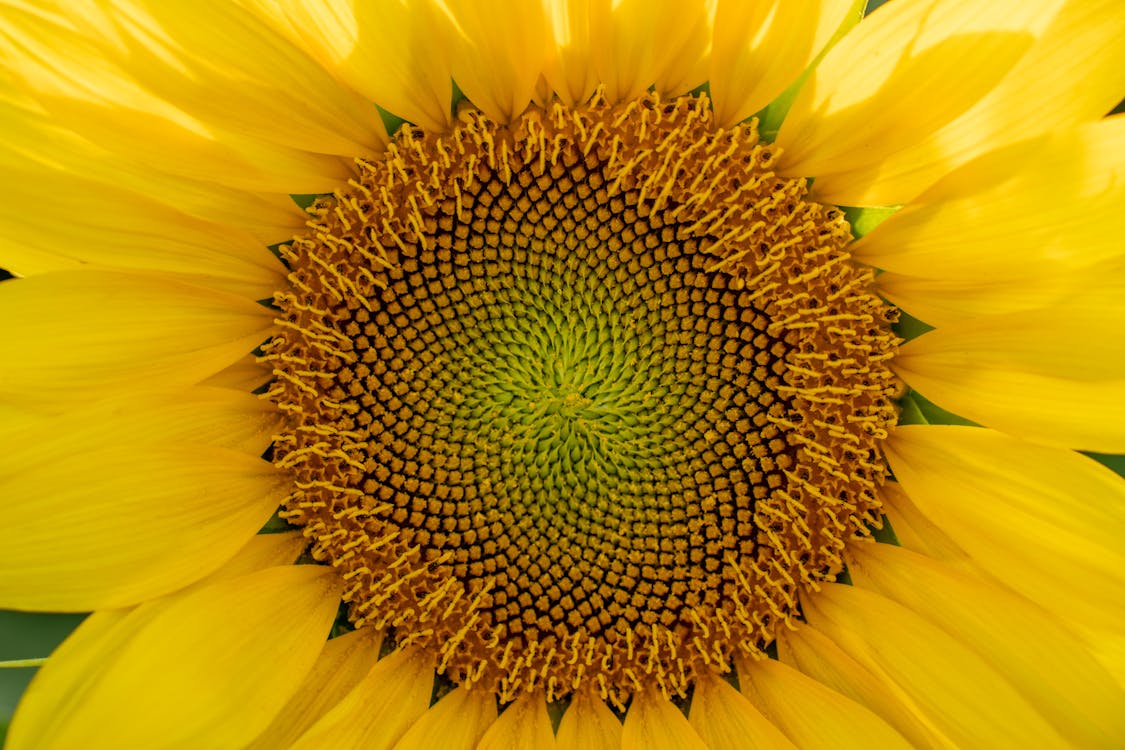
x=465, y=374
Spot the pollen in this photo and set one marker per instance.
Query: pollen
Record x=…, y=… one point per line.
x=580, y=401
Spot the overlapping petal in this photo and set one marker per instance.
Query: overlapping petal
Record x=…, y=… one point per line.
x=72, y=335
x=197, y=670
x=760, y=48
x=1053, y=375
x=965, y=696
x=1044, y=521
x=923, y=87
x=383, y=49
x=810, y=714
x=61, y=57
x=379, y=709
x=1065, y=683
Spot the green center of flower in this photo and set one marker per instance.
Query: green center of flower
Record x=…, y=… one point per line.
x=581, y=400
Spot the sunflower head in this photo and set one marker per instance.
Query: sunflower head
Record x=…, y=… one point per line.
x=583, y=399
x=576, y=413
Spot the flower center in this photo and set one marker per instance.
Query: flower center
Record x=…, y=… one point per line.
x=580, y=400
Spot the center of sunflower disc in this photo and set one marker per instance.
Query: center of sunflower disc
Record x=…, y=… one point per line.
x=583, y=400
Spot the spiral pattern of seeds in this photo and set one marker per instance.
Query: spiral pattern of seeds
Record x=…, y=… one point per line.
x=582, y=400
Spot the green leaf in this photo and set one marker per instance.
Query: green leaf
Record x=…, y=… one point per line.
x=27, y=635
x=1115, y=463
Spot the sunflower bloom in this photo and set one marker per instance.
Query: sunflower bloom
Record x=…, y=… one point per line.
x=582, y=403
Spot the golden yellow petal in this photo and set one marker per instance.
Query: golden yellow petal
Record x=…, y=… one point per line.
x=260, y=552
x=725, y=720
x=113, y=526
x=74, y=335
x=1055, y=375
x=588, y=724
x=1044, y=521
x=638, y=44
x=818, y=657
x=1036, y=577
x=524, y=725
x=942, y=302
x=220, y=63
x=61, y=54
x=245, y=375
x=384, y=49
x=810, y=714
x=197, y=415
x=1038, y=208
x=39, y=149
x=570, y=69
x=916, y=532
x=760, y=48
x=898, y=76
x=654, y=723
x=1063, y=682
x=456, y=722
x=960, y=692
x=371, y=707
x=187, y=671
x=343, y=663
x=497, y=51
x=379, y=709
x=1074, y=73
x=55, y=221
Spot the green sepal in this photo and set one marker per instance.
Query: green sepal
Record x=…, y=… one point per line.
x=865, y=219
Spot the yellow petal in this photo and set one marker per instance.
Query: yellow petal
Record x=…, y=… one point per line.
x=816, y=656
x=1045, y=521
x=262, y=551
x=114, y=526
x=350, y=699
x=246, y=375
x=1073, y=74
x=379, y=709
x=1013, y=213
x=220, y=63
x=1035, y=576
x=961, y=693
x=384, y=49
x=810, y=714
x=197, y=415
x=639, y=44
x=725, y=720
x=899, y=76
x=762, y=47
x=71, y=335
x=40, y=148
x=524, y=724
x=456, y=722
x=1055, y=376
x=942, y=302
x=198, y=670
x=588, y=724
x=1064, y=682
x=60, y=55
x=54, y=222
x=570, y=69
x=654, y=723
x=497, y=51
x=916, y=532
